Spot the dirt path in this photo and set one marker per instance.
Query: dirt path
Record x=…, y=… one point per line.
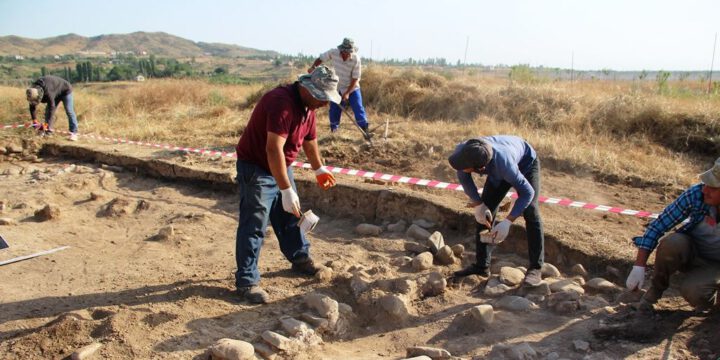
x=144, y=296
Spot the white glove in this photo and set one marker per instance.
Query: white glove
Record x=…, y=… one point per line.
x=500, y=231
x=636, y=278
x=290, y=201
x=483, y=215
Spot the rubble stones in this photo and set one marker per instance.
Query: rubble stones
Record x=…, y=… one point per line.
x=325, y=307
x=542, y=290
x=417, y=233
x=435, y=242
x=395, y=305
x=578, y=269
x=414, y=247
x=231, y=349
x=368, y=230
x=564, y=302
x=566, y=285
x=629, y=296
x=435, y=284
x=265, y=351
x=360, y=282
x=14, y=149
x=484, y=314
x=314, y=321
x=165, y=233
x=117, y=207
x=511, y=276
x=495, y=288
x=423, y=223
x=49, y=212
x=7, y=221
x=445, y=255
x=405, y=286
x=603, y=286
x=581, y=345
x=401, y=261
x=522, y=351
x=423, y=261
x=614, y=272
x=324, y=274
x=549, y=270
x=277, y=340
x=397, y=227
x=433, y=353
x=293, y=326
x=516, y=303
x=86, y=352
x=458, y=250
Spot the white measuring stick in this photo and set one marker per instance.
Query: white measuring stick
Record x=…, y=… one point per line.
x=21, y=258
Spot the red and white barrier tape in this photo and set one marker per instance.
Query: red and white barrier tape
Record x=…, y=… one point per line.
x=373, y=175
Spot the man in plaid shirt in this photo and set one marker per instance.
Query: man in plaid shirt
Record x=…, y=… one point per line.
x=693, y=249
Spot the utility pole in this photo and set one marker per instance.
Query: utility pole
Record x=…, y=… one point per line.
x=371, y=46
x=572, y=65
x=712, y=63
x=467, y=43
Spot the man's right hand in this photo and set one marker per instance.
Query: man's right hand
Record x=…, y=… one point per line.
x=483, y=215
x=290, y=201
x=636, y=278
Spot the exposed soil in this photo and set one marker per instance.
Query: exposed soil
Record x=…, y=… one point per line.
x=144, y=291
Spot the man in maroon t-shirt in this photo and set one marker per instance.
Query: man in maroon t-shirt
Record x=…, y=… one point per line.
x=282, y=122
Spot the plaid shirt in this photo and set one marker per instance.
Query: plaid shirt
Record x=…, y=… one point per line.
x=690, y=204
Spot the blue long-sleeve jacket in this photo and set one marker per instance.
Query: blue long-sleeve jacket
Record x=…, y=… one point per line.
x=512, y=157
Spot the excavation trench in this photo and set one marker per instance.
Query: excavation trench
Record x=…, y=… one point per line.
x=361, y=201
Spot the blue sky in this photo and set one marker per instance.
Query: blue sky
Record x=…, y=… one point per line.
x=593, y=34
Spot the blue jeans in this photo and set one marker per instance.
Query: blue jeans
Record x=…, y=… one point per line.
x=260, y=201
x=67, y=101
x=355, y=100
x=491, y=197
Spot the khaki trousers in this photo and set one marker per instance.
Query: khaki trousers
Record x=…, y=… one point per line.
x=701, y=284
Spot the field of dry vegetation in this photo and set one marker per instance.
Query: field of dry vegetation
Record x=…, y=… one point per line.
x=615, y=131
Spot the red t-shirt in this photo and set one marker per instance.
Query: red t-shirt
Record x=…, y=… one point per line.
x=282, y=112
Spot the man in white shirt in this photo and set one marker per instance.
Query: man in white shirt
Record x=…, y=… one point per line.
x=346, y=63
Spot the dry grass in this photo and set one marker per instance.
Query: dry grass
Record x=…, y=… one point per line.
x=613, y=130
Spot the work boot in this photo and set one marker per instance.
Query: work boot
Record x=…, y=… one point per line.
x=533, y=277
x=253, y=294
x=472, y=270
x=652, y=295
x=305, y=267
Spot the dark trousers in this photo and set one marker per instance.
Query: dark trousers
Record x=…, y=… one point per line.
x=491, y=197
x=260, y=203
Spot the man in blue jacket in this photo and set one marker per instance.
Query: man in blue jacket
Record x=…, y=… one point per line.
x=508, y=161
x=52, y=90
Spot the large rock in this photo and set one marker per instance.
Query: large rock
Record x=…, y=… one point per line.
x=484, y=314
x=549, y=270
x=414, y=247
x=49, y=212
x=417, y=233
x=511, y=276
x=435, y=242
x=360, y=282
x=423, y=261
x=566, y=285
x=293, y=326
x=516, y=303
x=86, y=352
x=231, y=349
x=433, y=353
x=277, y=340
x=458, y=250
x=435, y=284
x=397, y=227
x=541, y=290
x=395, y=305
x=564, y=302
x=325, y=307
x=423, y=223
x=445, y=255
x=265, y=351
x=495, y=288
x=603, y=286
x=368, y=230
x=578, y=269
x=7, y=221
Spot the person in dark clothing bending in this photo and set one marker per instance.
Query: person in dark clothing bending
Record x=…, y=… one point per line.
x=52, y=90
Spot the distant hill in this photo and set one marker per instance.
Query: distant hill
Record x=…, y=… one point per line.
x=156, y=43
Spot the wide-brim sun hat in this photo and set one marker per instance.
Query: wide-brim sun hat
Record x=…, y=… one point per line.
x=322, y=84
x=348, y=45
x=712, y=177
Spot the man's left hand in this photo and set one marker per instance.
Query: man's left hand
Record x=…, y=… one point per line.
x=325, y=178
x=345, y=97
x=500, y=231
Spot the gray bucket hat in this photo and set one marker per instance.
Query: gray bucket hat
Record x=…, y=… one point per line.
x=348, y=45
x=34, y=94
x=322, y=84
x=712, y=177
x=474, y=153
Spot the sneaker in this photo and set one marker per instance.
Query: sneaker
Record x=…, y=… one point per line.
x=333, y=130
x=253, y=294
x=533, y=277
x=305, y=267
x=73, y=137
x=472, y=270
